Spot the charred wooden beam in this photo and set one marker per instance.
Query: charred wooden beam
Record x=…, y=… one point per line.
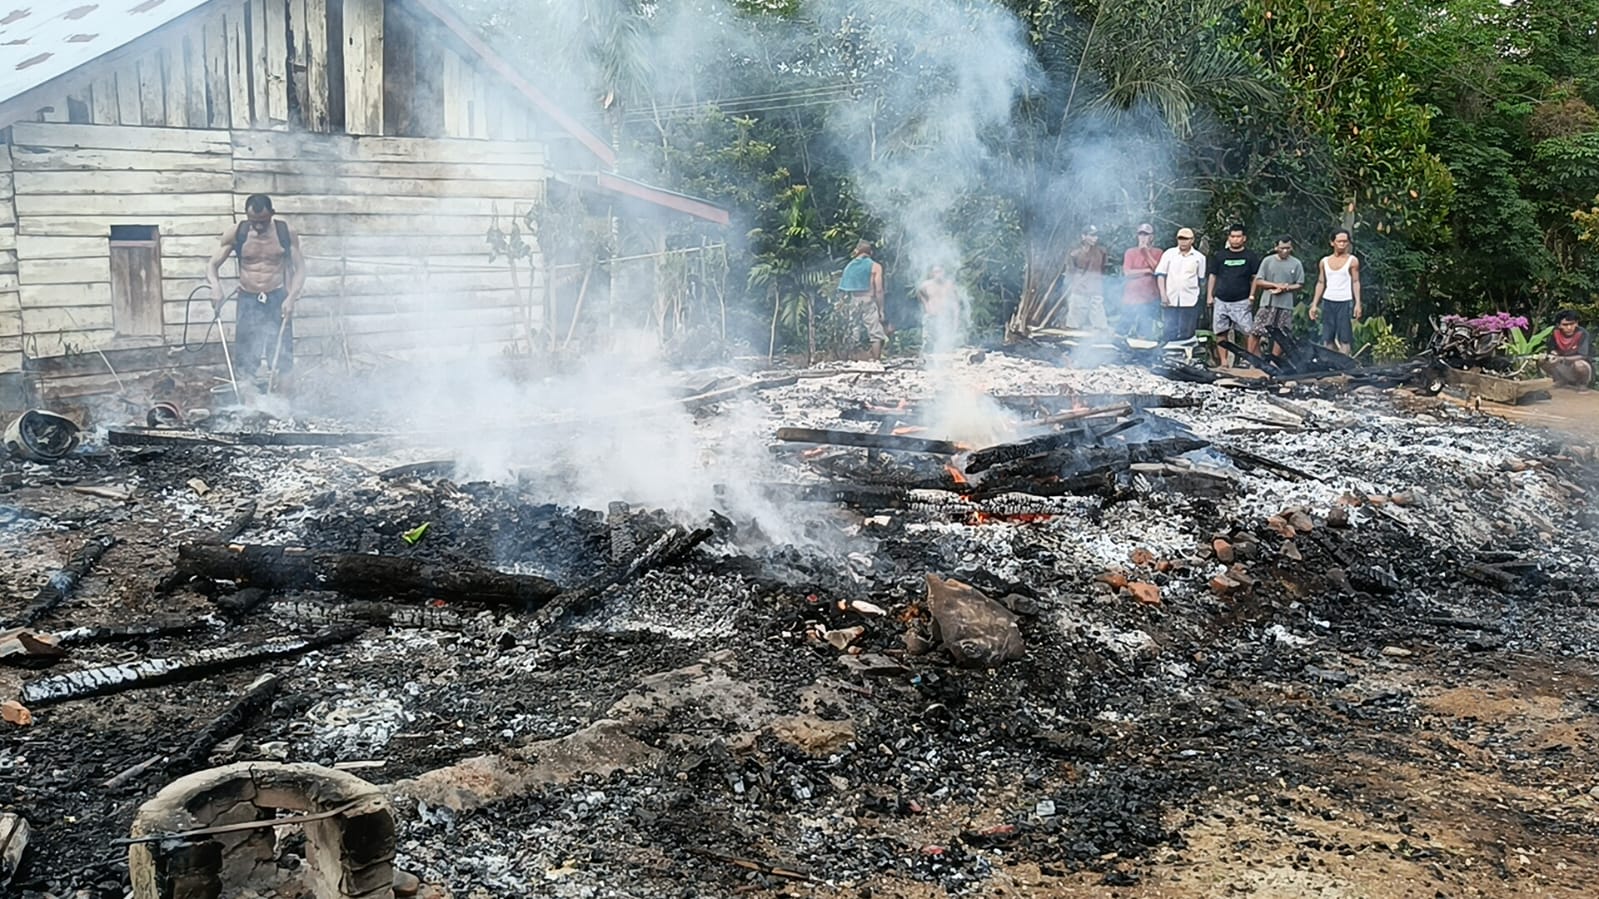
x=1089, y=461
x=707, y=398
x=1080, y=414
x=134, y=436
x=988, y=457
x=158, y=672
x=869, y=441
x=256, y=699
x=435, y=468
x=377, y=613
x=239, y=523
x=119, y=633
x=361, y=575
x=877, y=416
x=1249, y=459
x=665, y=549
x=1050, y=403
x=61, y=583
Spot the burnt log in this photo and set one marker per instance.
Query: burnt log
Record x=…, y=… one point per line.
x=133, y=436
x=436, y=468
x=61, y=583
x=1051, y=403
x=1087, y=461
x=665, y=549
x=1249, y=460
x=237, y=525
x=120, y=633
x=361, y=575
x=1034, y=447
x=1080, y=414
x=158, y=672
x=255, y=700
x=376, y=613
x=869, y=441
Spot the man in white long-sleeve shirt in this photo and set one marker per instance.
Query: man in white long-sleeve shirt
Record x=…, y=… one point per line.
x=1179, y=276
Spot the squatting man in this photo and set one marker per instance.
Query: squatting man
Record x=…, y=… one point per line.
x=271, y=279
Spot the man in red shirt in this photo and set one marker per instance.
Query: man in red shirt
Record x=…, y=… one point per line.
x=1140, y=293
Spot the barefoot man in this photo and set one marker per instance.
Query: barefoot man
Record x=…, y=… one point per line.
x=271, y=277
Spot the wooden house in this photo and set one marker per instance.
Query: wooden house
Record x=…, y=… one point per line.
x=387, y=133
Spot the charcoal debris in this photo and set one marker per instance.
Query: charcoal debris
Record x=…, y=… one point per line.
x=1148, y=633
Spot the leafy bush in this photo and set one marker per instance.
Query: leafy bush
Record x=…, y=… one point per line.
x=1376, y=337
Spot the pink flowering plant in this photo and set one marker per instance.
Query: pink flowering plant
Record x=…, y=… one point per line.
x=1492, y=323
x=1512, y=333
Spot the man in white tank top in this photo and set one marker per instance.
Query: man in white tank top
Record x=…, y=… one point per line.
x=1337, y=282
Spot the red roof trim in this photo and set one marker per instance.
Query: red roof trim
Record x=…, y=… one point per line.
x=688, y=205
x=537, y=97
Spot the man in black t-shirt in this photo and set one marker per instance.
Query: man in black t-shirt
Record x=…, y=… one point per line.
x=1232, y=274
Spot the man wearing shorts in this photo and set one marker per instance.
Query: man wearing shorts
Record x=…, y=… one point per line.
x=862, y=287
x=1338, y=283
x=1232, y=278
x=1278, y=282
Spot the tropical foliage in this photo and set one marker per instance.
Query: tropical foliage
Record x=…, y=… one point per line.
x=1457, y=140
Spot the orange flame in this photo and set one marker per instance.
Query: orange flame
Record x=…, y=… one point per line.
x=955, y=473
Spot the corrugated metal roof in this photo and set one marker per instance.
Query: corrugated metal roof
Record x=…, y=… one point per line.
x=43, y=39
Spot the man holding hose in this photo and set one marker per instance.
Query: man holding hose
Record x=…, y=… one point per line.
x=271, y=278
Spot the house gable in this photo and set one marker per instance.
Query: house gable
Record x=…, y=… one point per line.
x=358, y=67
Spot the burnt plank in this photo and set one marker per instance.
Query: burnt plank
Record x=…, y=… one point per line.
x=869, y=441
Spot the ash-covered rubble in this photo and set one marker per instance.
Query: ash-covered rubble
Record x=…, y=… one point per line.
x=770, y=708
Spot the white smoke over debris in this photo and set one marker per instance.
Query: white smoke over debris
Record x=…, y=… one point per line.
x=924, y=101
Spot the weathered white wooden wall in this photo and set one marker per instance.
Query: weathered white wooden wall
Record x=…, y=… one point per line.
x=10, y=306
x=394, y=229
x=269, y=64
x=284, y=97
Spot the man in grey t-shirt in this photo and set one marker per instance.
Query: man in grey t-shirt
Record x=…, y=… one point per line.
x=1277, y=283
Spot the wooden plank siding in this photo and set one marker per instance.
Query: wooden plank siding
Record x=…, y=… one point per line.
x=393, y=230
x=289, y=98
x=10, y=302
x=393, y=233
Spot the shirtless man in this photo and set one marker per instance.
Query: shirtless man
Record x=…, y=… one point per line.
x=271, y=277
x=940, y=311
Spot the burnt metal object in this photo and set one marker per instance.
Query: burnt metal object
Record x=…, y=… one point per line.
x=178, y=669
x=869, y=441
x=61, y=583
x=361, y=575
x=40, y=436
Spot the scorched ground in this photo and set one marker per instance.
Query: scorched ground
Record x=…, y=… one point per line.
x=1363, y=668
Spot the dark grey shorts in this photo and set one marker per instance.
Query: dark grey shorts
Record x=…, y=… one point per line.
x=1338, y=322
